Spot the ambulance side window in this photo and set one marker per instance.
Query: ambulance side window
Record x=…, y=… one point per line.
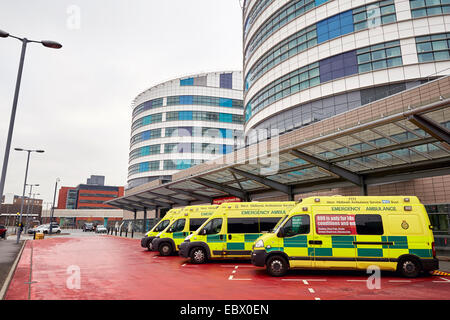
x=243, y=225
x=178, y=225
x=194, y=224
x=213, y=227
x=296, y=225
x=369, y=224
x=160, y=227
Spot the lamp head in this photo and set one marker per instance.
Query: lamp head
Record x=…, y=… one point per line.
x=4, y=34
x=51, y=44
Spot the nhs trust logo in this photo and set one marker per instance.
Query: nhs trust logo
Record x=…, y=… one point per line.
x=386, y=201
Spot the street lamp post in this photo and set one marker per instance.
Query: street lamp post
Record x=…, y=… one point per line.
x=25, y=41
x=32, y=206
x=53, y=206
x=28, y=207
x=24, y=186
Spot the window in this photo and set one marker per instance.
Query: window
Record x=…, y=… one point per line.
x=267, y=224
x=434, y=47
x=281, y=17
x=226, y=80
x=423, y=8
x=335, y=26
x=369, y=224
x=296, y=225
x=213, y=226
x=178, y=225
x=374, y=14
x=194, y=224
x=289, y=47
x=338, y=66
x=379, y=56
x=161, y=225
x=243, y=225
x=156, y=103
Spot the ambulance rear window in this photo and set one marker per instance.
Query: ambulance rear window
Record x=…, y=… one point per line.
x=369, y=224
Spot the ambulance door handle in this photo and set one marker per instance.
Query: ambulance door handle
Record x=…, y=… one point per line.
x=315, y=242
x=229, y=237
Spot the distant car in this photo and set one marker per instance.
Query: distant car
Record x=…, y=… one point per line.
x=3, y=232
x=88, y=227
x=101, y=229
x=45, y=228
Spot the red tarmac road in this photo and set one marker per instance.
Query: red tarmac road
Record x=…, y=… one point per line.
x=118, y=268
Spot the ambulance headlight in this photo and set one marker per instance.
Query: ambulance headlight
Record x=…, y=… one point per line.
x=259, y=244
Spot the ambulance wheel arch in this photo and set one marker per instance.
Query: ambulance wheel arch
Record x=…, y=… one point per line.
x=277, y=263
x=409, y=266
x=199, y=253
x=166, y=247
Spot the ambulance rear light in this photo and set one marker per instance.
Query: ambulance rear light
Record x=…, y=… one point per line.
x=408, y=208
x=433, y=249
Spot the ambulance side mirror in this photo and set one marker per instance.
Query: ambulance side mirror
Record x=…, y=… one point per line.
x=203, y=232
x=170, y=230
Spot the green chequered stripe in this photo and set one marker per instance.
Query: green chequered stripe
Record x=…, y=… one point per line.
x=214, y=238
x=180, y=235
x=363, y=252
x=342, y=241
x=421, y=253
x=274, y=249
x=251, y=237
x=320, y=252
x=399, y=242
x=297, y=242
x=235, y=246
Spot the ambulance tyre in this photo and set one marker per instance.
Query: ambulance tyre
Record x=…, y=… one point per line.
x=277, y=266
x=198, y=255
x=165, y=249
x=409, y=267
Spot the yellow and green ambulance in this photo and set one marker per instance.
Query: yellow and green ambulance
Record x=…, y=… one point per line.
x=186, y=222
x=393, y=233
x=146, y=241
x=233, y=228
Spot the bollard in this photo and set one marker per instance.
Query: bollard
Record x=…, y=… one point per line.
x=132, y=233
x=120, y=234
x=126, y=233
x=116, y=231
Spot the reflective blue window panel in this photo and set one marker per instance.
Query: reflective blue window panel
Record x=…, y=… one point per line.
x=224, y=102
x=186, y=99
x=146, y=120
x=319, y=2
x=338, y=66
x=145, y=135
x=145, y=151
x=187, y=82
x=183, y=164
x=143, y=167
x=185, y=115
x=225, y=117
x=335, y=26
x=226, y=80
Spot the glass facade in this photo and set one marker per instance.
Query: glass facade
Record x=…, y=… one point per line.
x=254, y=13
x=423, y=8
x=434, y=47
x=204, y=116
x=151, y=104
x=145, y=151
x=146, y=135
x=204, y=101
x=383, y=55
x=311, y=112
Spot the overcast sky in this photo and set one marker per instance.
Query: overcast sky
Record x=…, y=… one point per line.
x=75, y=102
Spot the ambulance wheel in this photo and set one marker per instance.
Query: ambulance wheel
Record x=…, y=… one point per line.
x=165, y=249
x=198, y=255
x=409, y=267
x=277, y=266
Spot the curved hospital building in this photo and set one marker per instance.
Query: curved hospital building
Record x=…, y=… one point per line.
x=308, y=60
x=183, y=122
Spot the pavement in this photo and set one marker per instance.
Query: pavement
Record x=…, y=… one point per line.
x=108, y=267
x=8, y=254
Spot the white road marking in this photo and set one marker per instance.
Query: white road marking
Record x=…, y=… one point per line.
x=357, y=280
x=183, y=264
x=236, y=267
x=305, y=282
x=445, y=280
x=317, y=298
x=291, y=280
x=230, y=277
x=399, y=280
x=234, y=271
x=311, y=290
